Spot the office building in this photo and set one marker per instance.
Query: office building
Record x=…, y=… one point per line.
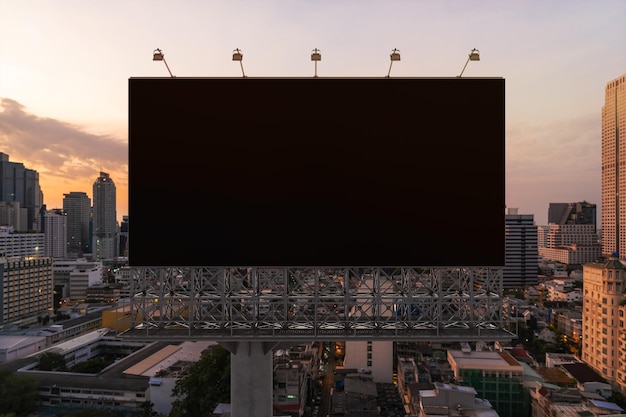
x=621, y=361
x=521, y=252
x=20, y=245
x=12, y=215
x=613, y=172
x=19, y=184
x=580, y=212
x=105, y=235
x=26, y=287
x=73, y=277
x=571, y=236
x=124, y=237
x=54, y=227
x=570, y=244
x=604, y=285
x=77, y=207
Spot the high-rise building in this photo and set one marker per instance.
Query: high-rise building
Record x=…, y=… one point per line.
x=604, y=284
x=21, y=185
x=77, y=207
x=621, y=364
x=105, y=235
x=614, y=167
x=572, y=213
x=124, y=236
x=55, y=233
x=521, y=262
x=571, y=236
x=12, y=215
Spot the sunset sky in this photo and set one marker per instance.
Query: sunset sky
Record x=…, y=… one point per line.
x=65, y=65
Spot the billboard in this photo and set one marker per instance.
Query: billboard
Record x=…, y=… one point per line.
x=316, y=172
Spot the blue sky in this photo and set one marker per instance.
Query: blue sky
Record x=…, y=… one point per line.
x=65, y=65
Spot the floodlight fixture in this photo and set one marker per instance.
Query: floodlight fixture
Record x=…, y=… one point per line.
x=157, y=55
x=474, y=55
x=316, y=56
x=238, y=56
x=395, y=56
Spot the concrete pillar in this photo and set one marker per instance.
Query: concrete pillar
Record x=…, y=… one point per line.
x=251, y=378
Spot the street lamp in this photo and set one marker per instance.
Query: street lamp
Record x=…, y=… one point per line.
x=316, y=56
x=158, y=55
x=474, y=55
x=238, y=56
x=395, y=56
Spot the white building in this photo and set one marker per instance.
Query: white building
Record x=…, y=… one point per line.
x=55, y=232
x=454, y=400
x=371, y=356
x=17, y=346
x=20, y=244
x=73, y=277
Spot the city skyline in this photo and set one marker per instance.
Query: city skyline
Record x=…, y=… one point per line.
x=64, y=74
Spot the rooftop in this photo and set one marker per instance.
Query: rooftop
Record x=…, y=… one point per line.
x=582, y=372
x=486, y=360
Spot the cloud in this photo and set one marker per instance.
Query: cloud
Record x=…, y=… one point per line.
x=66, y=157
x=55, y=147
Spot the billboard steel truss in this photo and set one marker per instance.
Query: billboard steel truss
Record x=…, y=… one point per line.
x=304, y=304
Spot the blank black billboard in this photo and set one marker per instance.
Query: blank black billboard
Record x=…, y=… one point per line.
x=316, y=172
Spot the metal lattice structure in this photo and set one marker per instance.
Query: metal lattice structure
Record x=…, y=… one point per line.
x=305, y=304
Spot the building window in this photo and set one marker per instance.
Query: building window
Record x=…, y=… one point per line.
x=369, y=363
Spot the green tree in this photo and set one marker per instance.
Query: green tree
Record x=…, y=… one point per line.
x=18, y=393
x=147, y=409
x=90, y=366
x=206, y=385
x=618, y=398
x=50, y=361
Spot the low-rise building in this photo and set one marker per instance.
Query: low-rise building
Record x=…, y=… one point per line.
x=454, y=400
x=496, y=376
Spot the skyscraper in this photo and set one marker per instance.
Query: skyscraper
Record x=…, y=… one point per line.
x=602, y=348
x=571, y=236
x=19, y=186
x=77, y=206
x=124, y=236
x=54, y=225
x=614, y=167
x=521, y=251
x=105, y=239
x=581, y=212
